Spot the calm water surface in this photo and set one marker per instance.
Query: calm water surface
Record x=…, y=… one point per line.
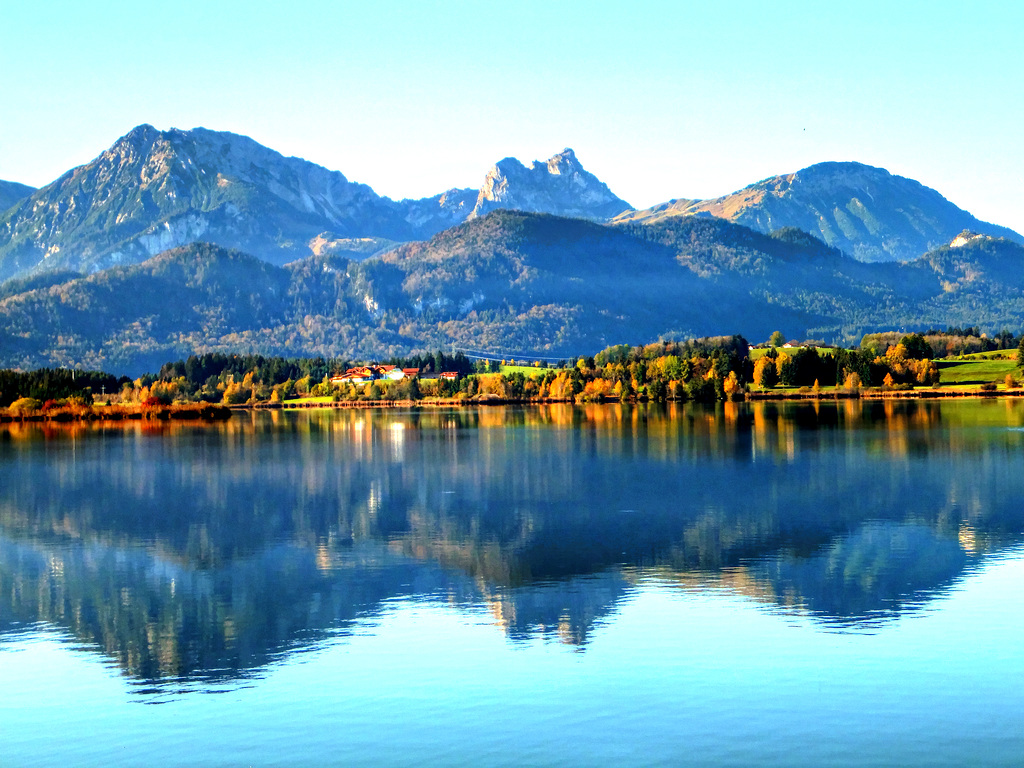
x=768, y=584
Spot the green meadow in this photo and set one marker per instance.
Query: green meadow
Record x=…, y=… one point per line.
x=977, y=369
x=526, y=370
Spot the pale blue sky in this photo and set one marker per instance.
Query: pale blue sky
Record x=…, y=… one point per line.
x=659, y=99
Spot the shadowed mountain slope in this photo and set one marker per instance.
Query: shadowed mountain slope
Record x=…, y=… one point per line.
x=515, y=284
x=12, y=192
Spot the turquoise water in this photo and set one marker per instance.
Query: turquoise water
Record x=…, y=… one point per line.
x=748, y=585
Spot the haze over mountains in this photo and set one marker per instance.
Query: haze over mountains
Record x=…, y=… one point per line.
x=570, y=268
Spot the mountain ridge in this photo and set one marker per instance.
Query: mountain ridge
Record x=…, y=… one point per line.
x=11, y=193
x=865, y=211
x=154, y=190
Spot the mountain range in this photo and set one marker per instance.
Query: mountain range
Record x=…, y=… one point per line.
x=512, y=283
x=155, y=190
x=178, y=241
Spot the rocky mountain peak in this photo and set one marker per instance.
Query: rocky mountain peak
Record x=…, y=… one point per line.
x=127, y=152
x=966, y=237
x=140, y=136
x=564, y=162
x=560, y=186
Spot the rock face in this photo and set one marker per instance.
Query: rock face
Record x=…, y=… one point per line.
x=11, y=192
x=433, y=214
x=967, y=237
x=864, y=211
x=351, y=248
x=560, y=186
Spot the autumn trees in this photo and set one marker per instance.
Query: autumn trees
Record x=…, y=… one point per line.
x=902, y=365
x=713, y=368
x=56, y=384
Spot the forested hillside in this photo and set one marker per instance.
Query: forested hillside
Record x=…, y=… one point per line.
x=512, y=283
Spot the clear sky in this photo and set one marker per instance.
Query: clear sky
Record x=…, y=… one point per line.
x=659, y=99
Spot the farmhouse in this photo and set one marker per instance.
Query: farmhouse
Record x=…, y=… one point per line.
x=358, y=375
x=364, y=374
x=397, y=374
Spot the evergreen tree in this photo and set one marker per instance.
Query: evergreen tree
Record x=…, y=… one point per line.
x=917, y=347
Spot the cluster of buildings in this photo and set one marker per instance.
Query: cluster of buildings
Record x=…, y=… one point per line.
x=364, y=374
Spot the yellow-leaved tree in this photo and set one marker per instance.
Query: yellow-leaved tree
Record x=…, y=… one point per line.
x=764, y=373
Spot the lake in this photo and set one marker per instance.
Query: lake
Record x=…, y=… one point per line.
x=770, y=584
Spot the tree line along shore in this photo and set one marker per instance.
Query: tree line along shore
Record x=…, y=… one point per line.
x=955, y=363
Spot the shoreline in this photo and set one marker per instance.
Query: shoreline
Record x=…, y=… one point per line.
x=205, y=412
x=208, y=413
x=767, y=395
x=894, y=394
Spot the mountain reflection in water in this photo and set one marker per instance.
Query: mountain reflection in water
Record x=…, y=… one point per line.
x=194, y=554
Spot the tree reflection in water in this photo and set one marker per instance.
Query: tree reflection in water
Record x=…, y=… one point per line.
x=204, y=553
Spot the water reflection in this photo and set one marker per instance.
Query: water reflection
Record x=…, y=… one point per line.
x=203, y=553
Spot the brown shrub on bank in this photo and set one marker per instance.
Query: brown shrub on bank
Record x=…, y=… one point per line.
x=27, y=408
x=24, y=405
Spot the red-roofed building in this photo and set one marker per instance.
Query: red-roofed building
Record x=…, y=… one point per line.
x=363, y=374
x=397, y=374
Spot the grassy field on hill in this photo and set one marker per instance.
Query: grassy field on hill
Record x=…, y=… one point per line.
x=526, y=370
x=997, y=354
x=761, y=351
x=978, y=370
